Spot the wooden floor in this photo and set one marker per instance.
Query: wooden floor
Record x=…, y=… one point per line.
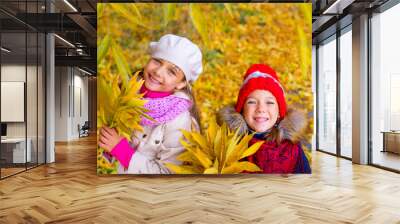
x=5, y=172
x=10, y=171
x=69, y=191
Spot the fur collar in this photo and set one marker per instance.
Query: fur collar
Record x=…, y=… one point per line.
x=291, y=128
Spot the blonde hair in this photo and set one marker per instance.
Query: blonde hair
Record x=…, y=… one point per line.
x=194, y=112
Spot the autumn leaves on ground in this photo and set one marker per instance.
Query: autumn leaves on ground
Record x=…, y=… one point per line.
x=231, y=37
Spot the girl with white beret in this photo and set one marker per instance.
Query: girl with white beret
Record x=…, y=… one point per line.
x=175, y=64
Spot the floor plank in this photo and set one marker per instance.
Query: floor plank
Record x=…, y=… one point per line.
x=69, y=191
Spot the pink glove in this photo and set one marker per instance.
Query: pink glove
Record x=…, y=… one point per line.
x=123, y=152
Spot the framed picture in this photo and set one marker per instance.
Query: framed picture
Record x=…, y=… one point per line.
x=216, y=88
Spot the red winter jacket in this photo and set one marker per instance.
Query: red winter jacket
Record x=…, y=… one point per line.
x=287, y=156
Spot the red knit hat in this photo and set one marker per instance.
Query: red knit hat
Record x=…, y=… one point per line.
x=261, y=77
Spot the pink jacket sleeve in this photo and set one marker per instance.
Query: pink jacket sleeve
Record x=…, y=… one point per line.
x=123, y=152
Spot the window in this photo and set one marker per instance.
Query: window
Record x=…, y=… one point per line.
x=385, y=89
x=346, y=93
x=327, y=96
x=22, y=65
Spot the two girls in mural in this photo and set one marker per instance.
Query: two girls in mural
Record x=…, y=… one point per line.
x=261, y=109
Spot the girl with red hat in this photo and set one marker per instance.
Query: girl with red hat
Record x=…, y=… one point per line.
x=261, y=109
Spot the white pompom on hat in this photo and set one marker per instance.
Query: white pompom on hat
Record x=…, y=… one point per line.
x=181, y=52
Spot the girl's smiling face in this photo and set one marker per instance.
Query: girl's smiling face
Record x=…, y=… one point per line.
x=261, y=110
x=163, y=76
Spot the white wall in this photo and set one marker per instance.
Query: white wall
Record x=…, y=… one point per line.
x=12, y=73
x=61, y=103
x=80, y=102
x=71, y=93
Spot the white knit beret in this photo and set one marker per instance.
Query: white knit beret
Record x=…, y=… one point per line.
x=181, y=52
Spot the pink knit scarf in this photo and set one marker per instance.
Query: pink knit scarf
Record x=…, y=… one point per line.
x=163, y=107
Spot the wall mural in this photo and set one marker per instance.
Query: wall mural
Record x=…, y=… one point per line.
x=217, y=88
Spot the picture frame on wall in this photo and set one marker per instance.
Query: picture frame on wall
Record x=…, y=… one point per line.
x=182, y=91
